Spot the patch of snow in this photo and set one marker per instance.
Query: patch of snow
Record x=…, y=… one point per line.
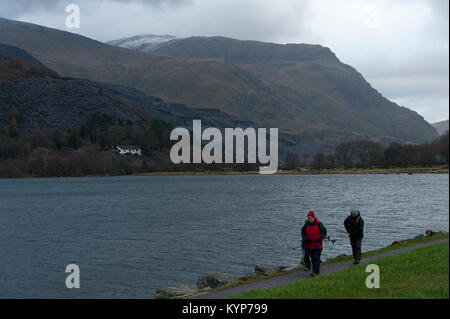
x=142, y=42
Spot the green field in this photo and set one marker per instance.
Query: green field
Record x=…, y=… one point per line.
x=421, y=273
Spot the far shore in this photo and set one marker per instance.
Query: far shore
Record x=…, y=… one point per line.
x=299, y=171
x=308, y=171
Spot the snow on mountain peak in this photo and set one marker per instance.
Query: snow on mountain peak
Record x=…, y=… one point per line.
x=142, y=42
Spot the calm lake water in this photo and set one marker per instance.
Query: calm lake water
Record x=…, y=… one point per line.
x=132, y=235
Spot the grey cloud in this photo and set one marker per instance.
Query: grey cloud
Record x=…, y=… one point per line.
x=406, y=61
x=15, y=8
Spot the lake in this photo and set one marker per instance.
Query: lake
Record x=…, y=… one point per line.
x=131, y=235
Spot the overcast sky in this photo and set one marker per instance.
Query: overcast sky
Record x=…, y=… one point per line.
x=400, y=46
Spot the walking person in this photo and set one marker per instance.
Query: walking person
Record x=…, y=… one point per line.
x=354, y=225
x=313, y=234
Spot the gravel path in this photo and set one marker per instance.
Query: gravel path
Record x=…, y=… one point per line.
x=301, y=275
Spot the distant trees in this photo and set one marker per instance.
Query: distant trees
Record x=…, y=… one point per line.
x=435, y=153
x=366, y=154
x=344, y=155
x=13, y=132
x=84, y=150
x=291, y=161
x=321, y=161
x=443, y=147
x=362, y=153
x=14, y=116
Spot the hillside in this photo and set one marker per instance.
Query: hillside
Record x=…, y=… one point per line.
x=209, y=83
x=64, y=103
x=315, y=86
x=304, y=90
x=18, y=53
x=13, y=68
x=441, y=127
x=55, y=126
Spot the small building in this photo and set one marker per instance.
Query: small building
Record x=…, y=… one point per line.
x=129, y=149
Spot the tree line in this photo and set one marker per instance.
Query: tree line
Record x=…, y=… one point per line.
x=368, y=154
x=86, y=150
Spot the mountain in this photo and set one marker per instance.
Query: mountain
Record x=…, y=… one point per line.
x=441, y=127
x=18, y=53
x=244, y=52
x=144, y=42
x=314, y=85
x=13, y=68
x=16, y=63
x=62, y=103
x=204, y=83
x=304, y=90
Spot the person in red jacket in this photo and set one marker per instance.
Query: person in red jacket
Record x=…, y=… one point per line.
x=313, y=234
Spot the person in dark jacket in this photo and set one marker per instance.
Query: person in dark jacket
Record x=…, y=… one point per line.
x=354, y=225
x=313, y=234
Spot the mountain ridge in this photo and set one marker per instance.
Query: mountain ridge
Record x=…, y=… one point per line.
x=313, y=97
x=141, y=42
x=286, y=66
x=209, y=83
x=55, y=102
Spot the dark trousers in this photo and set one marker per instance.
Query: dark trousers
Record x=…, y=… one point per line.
x=356, y=248
x=314, y=255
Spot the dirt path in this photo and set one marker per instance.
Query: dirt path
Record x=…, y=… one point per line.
x=301, y=275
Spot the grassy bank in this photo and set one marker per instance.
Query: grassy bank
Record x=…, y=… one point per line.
x=394, y=246
x=343, y=258
x=421, y=273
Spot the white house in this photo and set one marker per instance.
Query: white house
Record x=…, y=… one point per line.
x=129, y=149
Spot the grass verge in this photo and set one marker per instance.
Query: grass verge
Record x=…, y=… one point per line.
x=421, y=273
x=399, y=244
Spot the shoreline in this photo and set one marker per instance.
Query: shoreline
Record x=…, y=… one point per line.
x=304, y=171
x=221, y=282
x=299, y=171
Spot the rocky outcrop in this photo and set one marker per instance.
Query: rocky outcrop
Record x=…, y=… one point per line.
x=428, y=233
x=215, y=281
x=178, y=290
x=175, y=291
x=262, y=271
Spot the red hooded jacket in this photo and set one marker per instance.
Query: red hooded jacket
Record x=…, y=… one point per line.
x=313, y=234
